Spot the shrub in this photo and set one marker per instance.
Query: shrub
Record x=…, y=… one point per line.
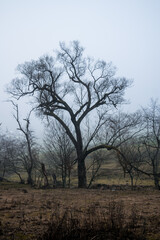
x=95, y=225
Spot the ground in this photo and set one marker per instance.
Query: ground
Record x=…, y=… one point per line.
x=26, y=212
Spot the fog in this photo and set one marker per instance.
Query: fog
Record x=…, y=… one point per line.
x=124, y=32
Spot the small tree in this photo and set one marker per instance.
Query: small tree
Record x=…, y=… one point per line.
x=3, y=157
x=134, y=158
x=28, y=152
x=2, y=166
x=14, y=163
x=77, y=86
x=10, y=161
x=151, y=139
x=59, y=150
x=97, y=159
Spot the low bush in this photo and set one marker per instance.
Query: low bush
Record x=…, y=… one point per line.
x=95, y=225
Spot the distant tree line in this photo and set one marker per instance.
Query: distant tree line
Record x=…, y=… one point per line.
x=77, y=98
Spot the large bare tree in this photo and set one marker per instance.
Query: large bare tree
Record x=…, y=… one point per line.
x=79, y=87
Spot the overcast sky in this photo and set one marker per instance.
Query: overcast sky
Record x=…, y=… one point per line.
x=126, y=32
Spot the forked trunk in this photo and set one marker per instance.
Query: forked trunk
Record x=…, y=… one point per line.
x=21, y=179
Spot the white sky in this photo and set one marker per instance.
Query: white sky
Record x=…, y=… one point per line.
x=126, y=32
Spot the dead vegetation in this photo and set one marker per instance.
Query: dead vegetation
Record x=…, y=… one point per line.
x=27, y=213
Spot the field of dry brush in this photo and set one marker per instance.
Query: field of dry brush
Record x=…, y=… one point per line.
x=27, y=213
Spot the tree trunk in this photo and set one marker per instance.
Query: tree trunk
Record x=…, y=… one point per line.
x=156, y=182
x=4, y=171
x=131, y=177
x=54, y=180
x=82, y=181
x=63, y=176
x=44, y=174
x=69, y=178
x=30, y=180
x=21, y=179
x=156, y=178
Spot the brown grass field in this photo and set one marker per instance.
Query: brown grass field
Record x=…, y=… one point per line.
x=27, y=213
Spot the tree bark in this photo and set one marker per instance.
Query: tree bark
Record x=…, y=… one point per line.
x=44, y=174
x=82, y=181
x=131, y=177
x=29, y=179
x=156, y=181
x=69, y=178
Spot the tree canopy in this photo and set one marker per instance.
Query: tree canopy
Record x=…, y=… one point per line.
x=73, y=86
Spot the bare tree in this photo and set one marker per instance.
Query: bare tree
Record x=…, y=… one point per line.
x=117, y=131
x=28, y=152
x=119, y=128
x=3, y=157
x=43, y=170
x=97, y=159
x=9, y=156
x=78, y=87
x=134, y=158
x=14, y=163
x=146, y=150
x=59, y=151
x=151, y=139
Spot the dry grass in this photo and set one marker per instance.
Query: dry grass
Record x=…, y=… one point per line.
x=27, y=213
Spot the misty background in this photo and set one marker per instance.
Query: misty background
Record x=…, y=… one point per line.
x=122, y=31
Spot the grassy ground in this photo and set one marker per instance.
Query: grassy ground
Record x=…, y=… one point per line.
x=27, y=213
x=112, y=174
x=94, y=214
